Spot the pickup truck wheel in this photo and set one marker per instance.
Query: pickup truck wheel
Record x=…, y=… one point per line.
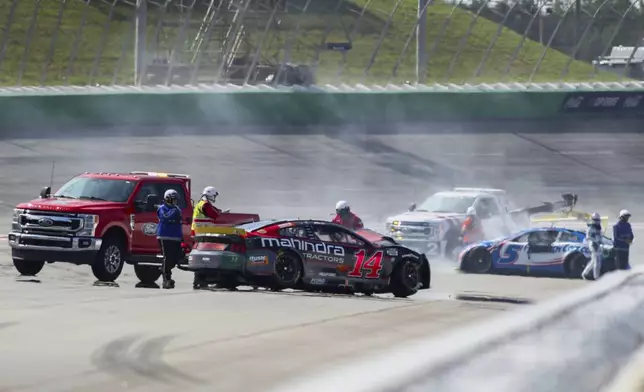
x=28, y=268
x=147, y=274
x=109, y=261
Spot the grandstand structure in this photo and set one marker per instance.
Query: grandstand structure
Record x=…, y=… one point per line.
x=303, y=42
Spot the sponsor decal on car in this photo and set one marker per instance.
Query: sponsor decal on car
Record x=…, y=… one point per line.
x=317, y=281
x=327, y=258
x=302, y=245
x=258, y=259
x=327, y=274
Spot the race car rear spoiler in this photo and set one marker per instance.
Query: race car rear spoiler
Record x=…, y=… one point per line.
x=214, y=233
x=565, y=206
x=570, y=216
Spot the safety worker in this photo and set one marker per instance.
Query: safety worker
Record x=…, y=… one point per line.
x=169, y=235
x=471, y=230
x=345, y=217
x=622, y=240
x=205, y=213
x=594, y=239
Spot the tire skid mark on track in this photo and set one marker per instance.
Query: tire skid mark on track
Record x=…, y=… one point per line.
x=7, y=324
x=140, y=365
x=284, y=328
x=572, y=158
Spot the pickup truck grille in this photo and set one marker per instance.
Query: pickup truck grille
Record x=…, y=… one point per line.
x=45, y=222
x=424, y=229
x=415, y=224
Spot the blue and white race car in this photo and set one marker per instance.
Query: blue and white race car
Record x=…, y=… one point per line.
x=538, y=250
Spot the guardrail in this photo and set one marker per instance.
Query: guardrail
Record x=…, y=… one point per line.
x=328, y=105
x=575, y=343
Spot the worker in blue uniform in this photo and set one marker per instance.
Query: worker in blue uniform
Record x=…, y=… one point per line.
x=622, y=240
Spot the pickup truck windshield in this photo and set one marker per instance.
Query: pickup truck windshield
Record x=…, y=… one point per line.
x=100, y=189
x=444, y=203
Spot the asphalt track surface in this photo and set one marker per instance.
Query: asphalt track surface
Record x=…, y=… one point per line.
x=62, y=333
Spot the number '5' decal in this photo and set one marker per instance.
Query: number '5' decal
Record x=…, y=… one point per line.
x=373, y=265
x=510, y=254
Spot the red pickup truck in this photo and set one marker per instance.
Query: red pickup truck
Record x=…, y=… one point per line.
x=104, y=220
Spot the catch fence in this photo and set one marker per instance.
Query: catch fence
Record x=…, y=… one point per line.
x=170, y=42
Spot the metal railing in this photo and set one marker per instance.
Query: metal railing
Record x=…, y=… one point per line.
x=187, y=42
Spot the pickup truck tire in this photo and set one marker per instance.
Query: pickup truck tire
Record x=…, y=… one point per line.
x=147, y=274
x=110, y=260
x=28, y=268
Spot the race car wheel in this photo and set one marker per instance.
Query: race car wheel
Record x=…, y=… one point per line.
x=477, y=261
x=28, y=268
x=405, y=279
x=288, y=270
x=147, y=274
x=575, y=264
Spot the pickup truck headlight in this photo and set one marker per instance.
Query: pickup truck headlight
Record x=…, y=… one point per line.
x=15, y=220
x=391, y=226
x=90, y=223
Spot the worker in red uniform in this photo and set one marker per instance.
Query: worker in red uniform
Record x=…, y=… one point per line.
x=471, y=231
x=345, y=217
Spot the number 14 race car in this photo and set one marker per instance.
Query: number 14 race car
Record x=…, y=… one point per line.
x=306, y=255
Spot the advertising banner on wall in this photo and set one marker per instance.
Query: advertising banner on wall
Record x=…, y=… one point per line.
x=604, y=101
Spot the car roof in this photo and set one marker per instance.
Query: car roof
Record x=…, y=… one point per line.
x=137, y=175
x=270, y=222
x=537, y=229
x=460, y=194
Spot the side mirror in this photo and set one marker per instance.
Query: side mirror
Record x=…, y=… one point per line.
x=45, y=192
x=151, y=203
x=412, y=207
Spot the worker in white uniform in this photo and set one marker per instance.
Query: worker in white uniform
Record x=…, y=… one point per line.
x=594, y=239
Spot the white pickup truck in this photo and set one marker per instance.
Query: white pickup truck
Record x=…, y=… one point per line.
x=434, y=227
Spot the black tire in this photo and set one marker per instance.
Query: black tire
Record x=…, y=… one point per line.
x=287, y=271
x=28, y=268
x=405, y=279
x=477, y=261
x=147, y=274
x=575, y=264
x=109, y=262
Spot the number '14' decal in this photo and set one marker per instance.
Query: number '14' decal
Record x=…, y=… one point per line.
x=373, y=265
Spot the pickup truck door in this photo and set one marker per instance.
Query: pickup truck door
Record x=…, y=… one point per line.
x=143, y=222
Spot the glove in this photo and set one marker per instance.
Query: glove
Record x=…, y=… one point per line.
x=225, y=211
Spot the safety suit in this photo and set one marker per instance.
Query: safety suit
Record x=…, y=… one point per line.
x=204, y=215
x=349, y=220
x=594, y=238
x=471, y=230
x=622, y=239
x=169, y=235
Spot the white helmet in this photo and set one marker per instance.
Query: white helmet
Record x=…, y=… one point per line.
x=470, y=211
x=211, y=193
x=624, y=213
x=342, y=206
x=596, y=217
x=171, y=195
